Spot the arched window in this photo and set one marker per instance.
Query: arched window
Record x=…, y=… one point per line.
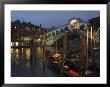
x=57, y=32
x=49, y=35
x=53, y=34
x=61, y=31
x=82, y=27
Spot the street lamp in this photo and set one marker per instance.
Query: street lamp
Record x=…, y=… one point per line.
x=87, y=53
x=87, y=71
x=91, y=44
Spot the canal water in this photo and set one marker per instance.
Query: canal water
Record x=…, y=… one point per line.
x=21, y=65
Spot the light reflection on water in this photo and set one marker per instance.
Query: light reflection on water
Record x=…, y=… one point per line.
x=23, y=55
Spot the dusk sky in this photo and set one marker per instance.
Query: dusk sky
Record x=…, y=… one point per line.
x=51, y=18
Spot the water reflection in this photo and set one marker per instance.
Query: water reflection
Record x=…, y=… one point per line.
x=21, y=65
x=23, y=55
x=39, y=51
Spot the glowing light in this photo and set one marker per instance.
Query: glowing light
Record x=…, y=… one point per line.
x=65, y=67
x=26, y=38
x=88, y=72
x=28, y=53
x=73, y=21
x=57, y=55
x=55, y=62
x=91, y=33
x=17, y=53
x=38, y=40
x=16, y=43
x=74, y=24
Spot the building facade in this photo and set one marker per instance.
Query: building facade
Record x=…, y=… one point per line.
x=22, y=33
